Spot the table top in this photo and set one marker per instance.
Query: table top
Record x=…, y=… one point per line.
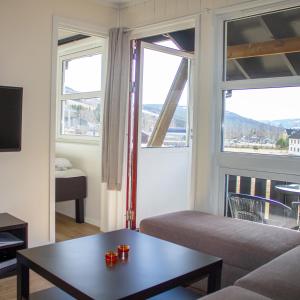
x=78, y=266
x=8, y=221
x=289, y=188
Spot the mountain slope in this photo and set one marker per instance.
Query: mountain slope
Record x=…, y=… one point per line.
x=286, y=123
x=180, y=113
x=237, y=126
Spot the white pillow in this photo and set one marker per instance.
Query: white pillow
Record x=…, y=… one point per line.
x=62, y=164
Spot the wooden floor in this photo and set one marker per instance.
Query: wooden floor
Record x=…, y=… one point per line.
x=66, y=229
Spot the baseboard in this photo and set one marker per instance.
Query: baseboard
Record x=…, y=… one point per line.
x=87, y=220
x=92, y=221
x=63, y=212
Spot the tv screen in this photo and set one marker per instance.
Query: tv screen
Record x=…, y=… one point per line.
x=10, y=118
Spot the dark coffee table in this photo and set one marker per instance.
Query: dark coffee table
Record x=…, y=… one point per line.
x=77, y=267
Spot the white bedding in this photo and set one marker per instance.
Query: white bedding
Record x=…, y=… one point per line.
x=62, y=164
x=69, y=173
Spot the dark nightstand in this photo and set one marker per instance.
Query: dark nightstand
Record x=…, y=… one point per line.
x=13, y=237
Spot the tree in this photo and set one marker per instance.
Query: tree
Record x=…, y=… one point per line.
x=282, y=143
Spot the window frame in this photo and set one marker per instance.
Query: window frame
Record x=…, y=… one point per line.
x=91, y=46
x=179, y=53
x=266, y=166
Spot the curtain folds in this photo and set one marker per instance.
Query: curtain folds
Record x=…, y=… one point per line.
x=115, y=108
x=113, y=192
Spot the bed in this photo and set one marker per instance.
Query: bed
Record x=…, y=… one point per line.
x=71, y=184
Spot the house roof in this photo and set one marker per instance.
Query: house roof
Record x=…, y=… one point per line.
x=249, y=32
x=185, y=39
x=259, y=29
x=293, y=133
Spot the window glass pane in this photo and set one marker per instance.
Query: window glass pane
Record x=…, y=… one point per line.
x=81, y=117
x=264, y=121
x=82, y=74
x=177, y=135
x=262, y=46
x=264, y=201
x=164, y=122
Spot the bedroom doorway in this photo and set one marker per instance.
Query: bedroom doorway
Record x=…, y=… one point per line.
x=79, y=102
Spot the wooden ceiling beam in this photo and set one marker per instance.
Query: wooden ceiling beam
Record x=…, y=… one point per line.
x=275, y=47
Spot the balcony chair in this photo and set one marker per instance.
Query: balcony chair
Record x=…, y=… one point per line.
x=254, y=208
x=296, y=209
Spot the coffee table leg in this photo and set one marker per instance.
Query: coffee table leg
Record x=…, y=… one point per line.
x=22, y=281
x=214, y=281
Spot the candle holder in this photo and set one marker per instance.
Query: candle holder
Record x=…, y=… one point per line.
x=111, y=257
x=123, y=251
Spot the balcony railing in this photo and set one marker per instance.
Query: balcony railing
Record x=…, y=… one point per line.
x=269, y=190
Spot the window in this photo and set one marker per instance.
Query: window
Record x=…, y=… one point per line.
x=80, y=117
x=165, y=97
x=261, y=46
x=80, y=91
x=258, y=153
x=261, y=121
x=82, y=74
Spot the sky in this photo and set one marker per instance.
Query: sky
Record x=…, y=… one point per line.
x=159, y=72
x=266, y=104
x=84, y=74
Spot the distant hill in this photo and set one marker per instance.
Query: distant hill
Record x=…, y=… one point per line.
x=285, y=123
x=180, y=113
x=238, y=126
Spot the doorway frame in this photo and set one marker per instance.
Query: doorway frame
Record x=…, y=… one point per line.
x=77, y=26
x=181, y=23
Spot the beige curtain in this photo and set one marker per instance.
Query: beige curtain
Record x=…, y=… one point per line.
x=115, y=108
x=113, y=208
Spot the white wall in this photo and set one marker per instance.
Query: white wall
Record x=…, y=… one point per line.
x=87, y=158
x=154, y=11
x=25, y=60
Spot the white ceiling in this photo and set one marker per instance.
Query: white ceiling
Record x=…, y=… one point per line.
x=121, y=2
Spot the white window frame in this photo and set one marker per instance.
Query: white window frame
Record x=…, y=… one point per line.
x=82, y=48
x=267, y=166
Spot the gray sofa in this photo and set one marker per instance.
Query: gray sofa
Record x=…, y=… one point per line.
x=260, y=261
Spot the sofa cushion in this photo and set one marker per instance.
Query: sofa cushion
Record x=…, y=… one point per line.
x=240, y=243
x=234, y=293
x=231, y=274
x=279, y=279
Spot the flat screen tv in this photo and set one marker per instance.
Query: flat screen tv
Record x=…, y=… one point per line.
x=10, y=118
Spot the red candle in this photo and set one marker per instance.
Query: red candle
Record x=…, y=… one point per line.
x=111, y=257
x=123, y=251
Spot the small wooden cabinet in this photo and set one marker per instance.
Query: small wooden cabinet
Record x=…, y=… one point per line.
x=13, y=237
